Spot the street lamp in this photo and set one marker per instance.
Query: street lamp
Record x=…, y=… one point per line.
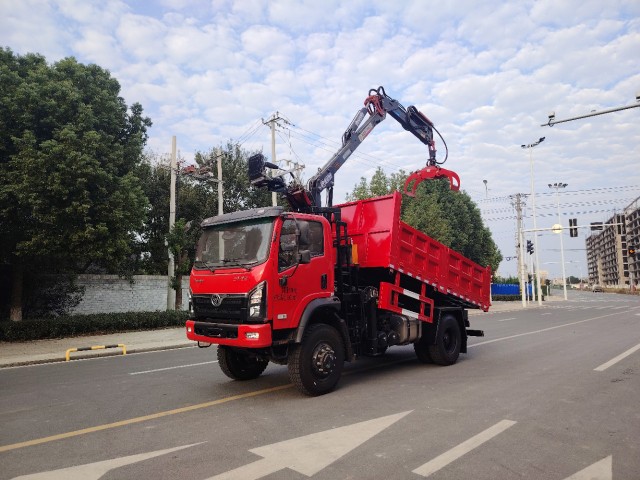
x=557, y=187
x=486, y=189
x=535, y=226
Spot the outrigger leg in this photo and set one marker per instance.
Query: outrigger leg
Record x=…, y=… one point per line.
x=429, y=173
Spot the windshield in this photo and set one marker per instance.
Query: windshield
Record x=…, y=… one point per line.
x=234, y=244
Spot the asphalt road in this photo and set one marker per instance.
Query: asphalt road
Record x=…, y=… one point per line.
x=548, y=393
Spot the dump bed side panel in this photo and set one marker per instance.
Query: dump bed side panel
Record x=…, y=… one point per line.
x=383, y=240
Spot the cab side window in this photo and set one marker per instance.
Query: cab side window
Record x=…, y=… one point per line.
x=296, y=236
x=316, y=239
x=288, y=247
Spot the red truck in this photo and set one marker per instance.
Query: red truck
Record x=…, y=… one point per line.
x=317, y=286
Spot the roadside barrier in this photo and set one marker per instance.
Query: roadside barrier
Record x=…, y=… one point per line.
x=96, y=347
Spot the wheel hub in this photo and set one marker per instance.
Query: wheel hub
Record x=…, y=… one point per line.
x=323, y=360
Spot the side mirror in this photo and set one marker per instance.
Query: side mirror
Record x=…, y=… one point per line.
x=304, y=257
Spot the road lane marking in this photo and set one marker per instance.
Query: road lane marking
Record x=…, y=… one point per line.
x=615, y=360
x=96, y=470
x=543, y=314
x=507, y=319
x=312, y=453
x=144, y=418
x=173, y=368
x=602, y=470
x=465, y=447
x=542, y=330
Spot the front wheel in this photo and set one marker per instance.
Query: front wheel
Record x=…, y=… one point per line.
x=448, y=341
x=315, y=365
x=239, y=366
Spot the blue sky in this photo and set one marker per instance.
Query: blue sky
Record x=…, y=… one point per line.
x=487, y=73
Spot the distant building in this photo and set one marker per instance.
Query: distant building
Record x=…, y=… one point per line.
x=608, y=259
x=607, y=254
x=632, y=214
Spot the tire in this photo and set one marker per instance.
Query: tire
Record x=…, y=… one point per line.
x=238, y=366
x=421, y=347
x=448, y=341
x=315, y=365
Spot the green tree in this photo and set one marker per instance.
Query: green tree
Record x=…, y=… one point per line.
x=197, y=199
x=68, y=147
x=450, y=217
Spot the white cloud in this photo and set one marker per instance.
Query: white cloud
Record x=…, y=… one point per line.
x=486, y=72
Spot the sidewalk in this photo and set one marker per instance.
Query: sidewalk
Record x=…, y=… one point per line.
x=47, y=351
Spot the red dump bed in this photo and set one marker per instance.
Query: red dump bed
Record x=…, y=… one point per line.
x=383, y=240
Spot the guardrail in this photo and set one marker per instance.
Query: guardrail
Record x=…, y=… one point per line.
x=95, y=347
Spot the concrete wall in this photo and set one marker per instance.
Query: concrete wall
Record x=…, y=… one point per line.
x=109, y=293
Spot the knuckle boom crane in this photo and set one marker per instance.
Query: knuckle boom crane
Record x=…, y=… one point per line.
x=376, y=107
x=318, y=286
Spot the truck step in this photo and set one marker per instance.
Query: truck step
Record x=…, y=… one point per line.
x=475, y=333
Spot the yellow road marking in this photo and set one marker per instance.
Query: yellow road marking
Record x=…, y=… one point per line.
x=144, y=418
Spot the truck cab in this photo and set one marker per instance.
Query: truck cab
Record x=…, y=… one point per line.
x=256, y=274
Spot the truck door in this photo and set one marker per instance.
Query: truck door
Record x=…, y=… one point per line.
x=304, y=270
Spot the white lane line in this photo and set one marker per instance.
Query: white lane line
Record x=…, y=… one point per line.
x=542, y=330
x=462, y=449
x=507, y=319
x=172, y=368
x=615, y=360
x=543, y=314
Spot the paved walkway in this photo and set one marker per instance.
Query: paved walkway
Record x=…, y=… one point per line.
x=47, y=351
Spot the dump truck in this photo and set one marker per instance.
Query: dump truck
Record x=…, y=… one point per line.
x=316, y=286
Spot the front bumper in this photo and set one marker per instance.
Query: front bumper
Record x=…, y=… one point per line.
x=246, y=336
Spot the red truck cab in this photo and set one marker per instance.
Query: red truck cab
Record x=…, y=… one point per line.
x=255, y=273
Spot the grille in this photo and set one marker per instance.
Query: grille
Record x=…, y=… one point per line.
x=232, y=308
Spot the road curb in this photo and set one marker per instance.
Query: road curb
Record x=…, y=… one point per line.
x=96, y=354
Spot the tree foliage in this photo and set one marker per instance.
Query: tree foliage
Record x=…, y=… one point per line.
x=450, y=217
x=197, y=199
x=69, y=145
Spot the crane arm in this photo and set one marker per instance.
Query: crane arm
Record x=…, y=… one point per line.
x=376, y=107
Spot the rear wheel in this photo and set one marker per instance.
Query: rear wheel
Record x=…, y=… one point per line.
x=315, y=365
x=448, y=341
x=239, y=366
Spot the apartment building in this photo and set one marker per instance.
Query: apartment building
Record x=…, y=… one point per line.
x=632, y=214
x=607, y=254
x=608, y=260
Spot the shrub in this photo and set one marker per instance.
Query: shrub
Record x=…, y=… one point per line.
x=509, y=298
x=75, y=325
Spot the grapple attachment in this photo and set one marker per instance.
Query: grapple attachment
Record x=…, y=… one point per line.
x=429, y=173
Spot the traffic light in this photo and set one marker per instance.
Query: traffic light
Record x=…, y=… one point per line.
x=631, y=251
x=529, y=247
x=573, y=227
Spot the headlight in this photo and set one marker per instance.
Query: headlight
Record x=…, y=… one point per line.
x=257, y=301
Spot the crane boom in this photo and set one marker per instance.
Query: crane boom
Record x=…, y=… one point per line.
x=376, y=106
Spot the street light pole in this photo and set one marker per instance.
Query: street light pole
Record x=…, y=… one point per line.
x=535, y=226
x=558, y=186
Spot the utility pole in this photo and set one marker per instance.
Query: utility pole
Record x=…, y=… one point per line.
x=272, y=125
x=218, y=153
x=516, y=201
x=171, y=294
x=533, y=206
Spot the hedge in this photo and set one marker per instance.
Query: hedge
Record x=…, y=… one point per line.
x=509, y=298
x=75, y=325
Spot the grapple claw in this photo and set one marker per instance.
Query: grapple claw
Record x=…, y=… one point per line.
x=430, y=173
